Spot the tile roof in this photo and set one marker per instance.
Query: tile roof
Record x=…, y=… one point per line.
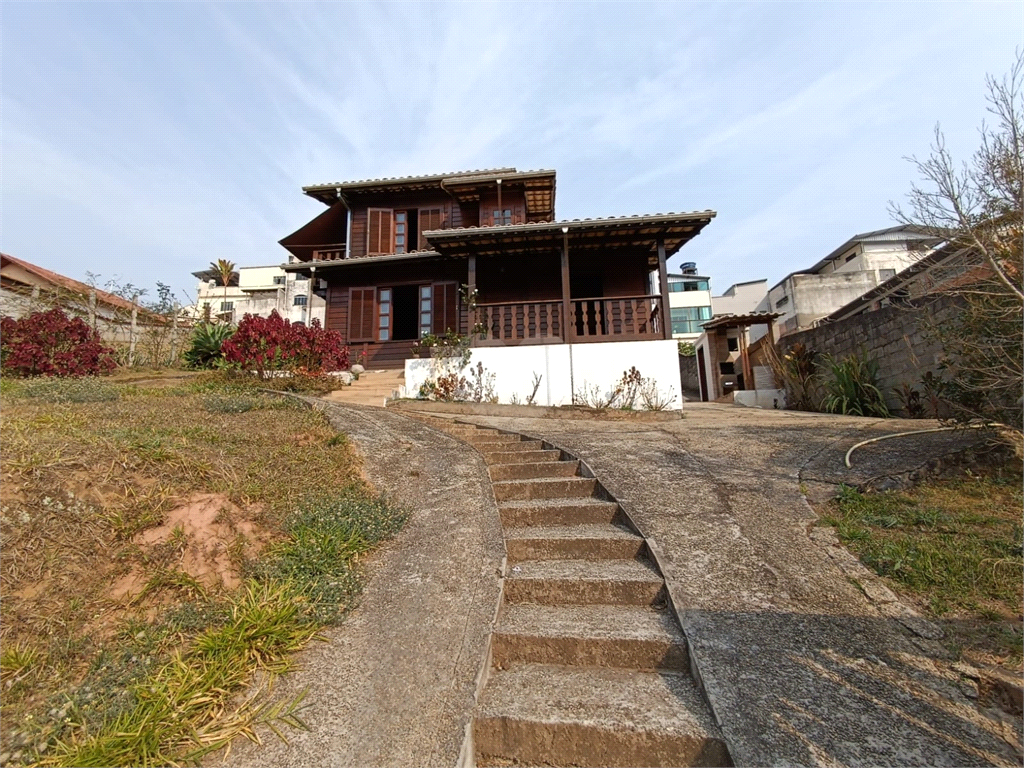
x=72, y=285
x=647, y=218
x=406, y=179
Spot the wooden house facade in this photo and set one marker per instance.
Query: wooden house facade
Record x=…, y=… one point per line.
x=407, y=257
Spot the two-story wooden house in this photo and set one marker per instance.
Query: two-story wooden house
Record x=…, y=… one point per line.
x=401, y=256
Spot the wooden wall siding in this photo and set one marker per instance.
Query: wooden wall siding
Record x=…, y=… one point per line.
x=533, y=278
x=621, y=273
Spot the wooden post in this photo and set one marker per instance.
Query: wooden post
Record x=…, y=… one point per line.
x=132, y=333
x=471, y=299
x=92, y=309
x=748, y=370
x=174, y=334
x=666, y=313
x=568, y=325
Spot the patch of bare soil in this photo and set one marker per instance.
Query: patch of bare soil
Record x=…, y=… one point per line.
x=208, y=538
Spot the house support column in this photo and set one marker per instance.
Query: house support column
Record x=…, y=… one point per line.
x=471, y=299
x=666, y=313
x=568, y=327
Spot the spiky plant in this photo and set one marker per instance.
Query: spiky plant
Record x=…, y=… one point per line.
x=204, y=345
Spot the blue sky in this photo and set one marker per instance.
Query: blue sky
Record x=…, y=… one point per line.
x=144, y=140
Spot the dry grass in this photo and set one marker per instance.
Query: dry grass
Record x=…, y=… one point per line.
x=90, y=465
x=953, y=546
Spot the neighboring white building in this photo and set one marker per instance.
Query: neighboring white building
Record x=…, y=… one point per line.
x=851, y=270
x=260, y=291
x=740, y=298
x=689, y=301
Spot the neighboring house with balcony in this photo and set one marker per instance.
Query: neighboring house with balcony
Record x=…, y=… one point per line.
x=851, y=270
x=689, y=301
x=259, y=291
x=481, y=254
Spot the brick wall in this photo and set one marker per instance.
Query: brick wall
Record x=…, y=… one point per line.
x=899, y=339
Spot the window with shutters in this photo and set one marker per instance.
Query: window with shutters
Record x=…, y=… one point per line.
x=430, y=219
x=379, y=231
x=361, y=314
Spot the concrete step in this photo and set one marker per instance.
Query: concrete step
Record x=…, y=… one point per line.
x=589, y=635
x=540, y=470
x=570, y=511
x=489, y=438
x=493, y=447
x=584, y=582
x=552, y=488
x=600, y=541
x=521, y=457
x=539, y=714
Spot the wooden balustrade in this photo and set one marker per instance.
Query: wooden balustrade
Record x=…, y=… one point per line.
x=623, y=318
x=530, y=322
x=329, y=254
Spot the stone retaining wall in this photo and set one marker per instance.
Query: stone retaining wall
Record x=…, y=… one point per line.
x=899, y=339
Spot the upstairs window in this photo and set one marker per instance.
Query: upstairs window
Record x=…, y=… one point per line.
x=401, y=228
x=299, y=301
x=279, y=279
x=227, y=306
x=501, y=218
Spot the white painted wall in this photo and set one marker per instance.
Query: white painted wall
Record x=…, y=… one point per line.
x=740, y=299
x=565, y=368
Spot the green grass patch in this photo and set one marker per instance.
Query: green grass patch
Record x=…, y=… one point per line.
x=955, y=546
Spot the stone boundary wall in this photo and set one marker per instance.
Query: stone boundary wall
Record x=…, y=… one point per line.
x=899, y=338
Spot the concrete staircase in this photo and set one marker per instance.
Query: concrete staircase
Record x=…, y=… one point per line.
x=588, y=664
x=371, y=388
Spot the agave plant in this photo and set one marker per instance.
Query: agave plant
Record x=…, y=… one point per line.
x=204, y=346
x=853, y=387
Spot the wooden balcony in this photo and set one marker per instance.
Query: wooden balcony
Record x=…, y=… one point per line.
x=623, y=318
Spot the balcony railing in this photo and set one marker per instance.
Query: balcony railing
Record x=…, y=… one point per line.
x=329, y=254
x=530, y=322
x=623, y=318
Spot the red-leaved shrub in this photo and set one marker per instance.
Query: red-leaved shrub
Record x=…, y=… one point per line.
x=52, y=344
x=263, y=344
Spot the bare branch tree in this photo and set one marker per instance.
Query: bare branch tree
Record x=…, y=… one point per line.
x=977, y=207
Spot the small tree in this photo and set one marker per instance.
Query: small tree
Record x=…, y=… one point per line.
x=977, y=207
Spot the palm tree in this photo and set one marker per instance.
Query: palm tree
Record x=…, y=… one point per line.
x=224, y=269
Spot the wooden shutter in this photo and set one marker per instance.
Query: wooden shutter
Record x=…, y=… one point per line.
x=446, y=308
x=361, y=314
x=379, y=230
x=430, y=218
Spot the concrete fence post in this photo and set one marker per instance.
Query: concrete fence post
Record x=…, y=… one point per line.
x=174, y=335
x=92, y=309
x=132, y=333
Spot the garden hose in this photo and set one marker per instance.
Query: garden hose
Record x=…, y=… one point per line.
x=904, y=434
